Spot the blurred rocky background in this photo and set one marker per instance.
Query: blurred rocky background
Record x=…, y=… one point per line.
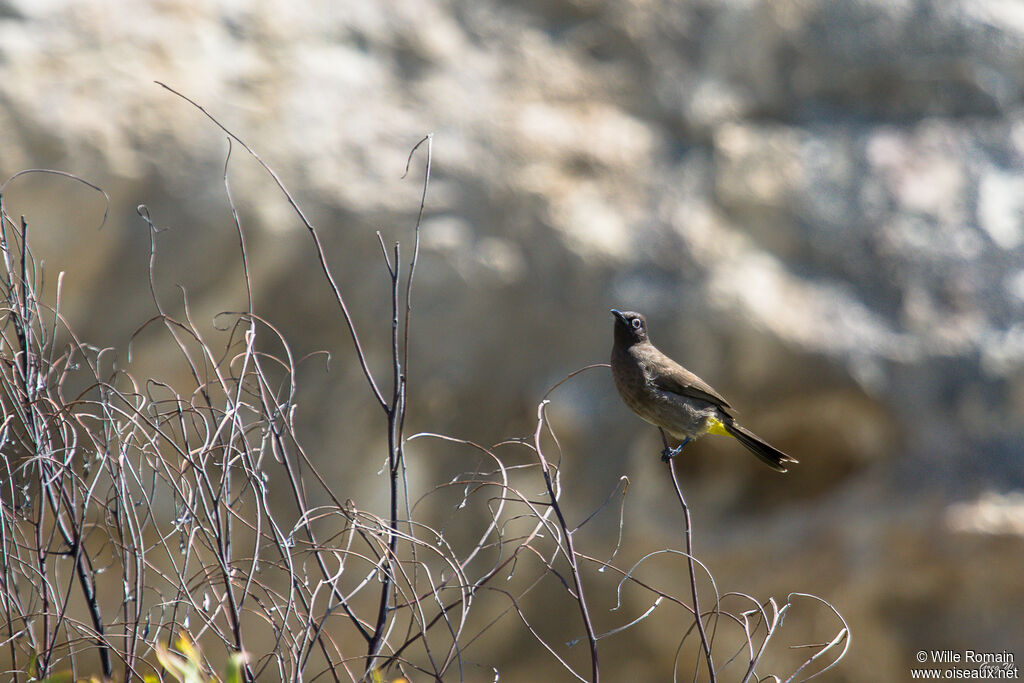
x=818, y=204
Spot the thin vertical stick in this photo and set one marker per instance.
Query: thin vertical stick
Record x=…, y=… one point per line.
x=705, y=645
x=570, y=550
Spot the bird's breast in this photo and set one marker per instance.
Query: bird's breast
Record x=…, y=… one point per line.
x=679, y=415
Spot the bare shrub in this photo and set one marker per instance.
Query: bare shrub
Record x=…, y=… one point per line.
x=134, y=511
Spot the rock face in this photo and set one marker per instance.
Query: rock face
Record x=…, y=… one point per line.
x=819, y=205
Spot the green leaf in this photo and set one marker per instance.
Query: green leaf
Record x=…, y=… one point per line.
x=233, y=672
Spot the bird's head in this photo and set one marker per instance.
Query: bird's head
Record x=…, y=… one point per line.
x=630, y=327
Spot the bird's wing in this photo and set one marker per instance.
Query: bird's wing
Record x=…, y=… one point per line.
x=681, y=381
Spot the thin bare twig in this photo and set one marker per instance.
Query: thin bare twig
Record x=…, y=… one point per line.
x=570, y=550
x=688, y=533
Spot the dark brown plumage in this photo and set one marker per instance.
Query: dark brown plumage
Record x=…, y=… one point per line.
x=672, y=398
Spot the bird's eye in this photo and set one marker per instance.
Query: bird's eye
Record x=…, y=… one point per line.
x=636, y=323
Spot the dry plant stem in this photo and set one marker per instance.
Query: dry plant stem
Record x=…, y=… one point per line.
x=59, y=500
x=705, y=645
x=843, y=636
x=9, y=596
x=237, y=400
x=770, y=626
x=221, y=512
x=296, y=482
x=480, y=583
x=570, y=550
x=483, y=581
x=395, y=409
x=394, y=456
x=321, y=255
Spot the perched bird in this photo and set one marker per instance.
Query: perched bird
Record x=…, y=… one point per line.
x=672, y=398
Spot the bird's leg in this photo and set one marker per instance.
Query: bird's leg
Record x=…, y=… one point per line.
x=670, y=453
x=666, y=454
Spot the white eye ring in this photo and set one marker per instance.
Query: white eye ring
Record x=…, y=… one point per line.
x=636, y=323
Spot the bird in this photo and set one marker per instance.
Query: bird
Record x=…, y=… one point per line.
x=670, y=397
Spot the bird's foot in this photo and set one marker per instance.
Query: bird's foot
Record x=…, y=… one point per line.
x=670, y=453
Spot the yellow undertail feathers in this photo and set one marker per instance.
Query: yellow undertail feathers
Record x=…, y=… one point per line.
x=716, y=426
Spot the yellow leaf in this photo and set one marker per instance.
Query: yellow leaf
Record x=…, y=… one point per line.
x=187, y=649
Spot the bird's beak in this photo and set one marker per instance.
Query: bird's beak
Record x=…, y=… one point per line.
x=619, y=314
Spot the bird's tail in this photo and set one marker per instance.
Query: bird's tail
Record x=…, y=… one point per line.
x=769, y=455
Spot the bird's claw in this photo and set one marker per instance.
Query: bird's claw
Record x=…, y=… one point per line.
x=670, y=453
